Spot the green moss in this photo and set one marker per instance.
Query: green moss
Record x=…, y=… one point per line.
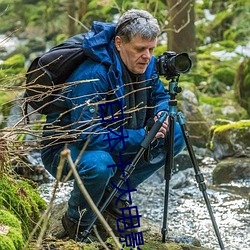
x=235, y=125
x=160, y=49
x=16, y=237
x=21, y=199
x=60, y=38
x=6, y=96
x=225, y=75
x=6, y=243
x=91, y=247
x=13, y=71
x=212, y=100
x=219, y=102
x=9, y=219
x=16, y=61
x=239, y=128
x=14, y=234
x=228, y=45
x=220, y=24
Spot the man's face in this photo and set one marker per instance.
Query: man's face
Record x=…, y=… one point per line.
x=137, y=53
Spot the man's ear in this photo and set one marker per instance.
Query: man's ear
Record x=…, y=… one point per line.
x=118, y=43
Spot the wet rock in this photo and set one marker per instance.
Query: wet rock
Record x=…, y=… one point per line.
x=181, y=179
x=231, y=169
x=231, y=139
x=197, y=125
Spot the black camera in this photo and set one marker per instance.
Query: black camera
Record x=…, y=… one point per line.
x=170, y=64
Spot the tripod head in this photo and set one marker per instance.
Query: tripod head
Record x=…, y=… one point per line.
x=174, y=89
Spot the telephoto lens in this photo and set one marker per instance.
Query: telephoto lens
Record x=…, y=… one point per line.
x=170, y=64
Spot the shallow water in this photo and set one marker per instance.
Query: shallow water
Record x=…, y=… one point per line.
x=187, y=211
x=188, y=214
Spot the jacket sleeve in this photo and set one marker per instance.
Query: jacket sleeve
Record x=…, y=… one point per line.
x=86, y=119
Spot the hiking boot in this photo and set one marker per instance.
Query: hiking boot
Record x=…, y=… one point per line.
x=123, y=210
x=75, y=231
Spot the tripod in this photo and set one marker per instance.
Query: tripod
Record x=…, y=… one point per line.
x=173, y=90
x=129, y=168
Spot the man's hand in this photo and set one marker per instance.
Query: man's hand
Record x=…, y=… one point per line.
x=164, y=128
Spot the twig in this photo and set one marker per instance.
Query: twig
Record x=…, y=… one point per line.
x=99, y=238
x=66, y=154
x=46, y=216
x=77, y=21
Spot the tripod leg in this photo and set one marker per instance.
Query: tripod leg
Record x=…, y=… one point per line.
x=130, y=168
x=168, y=173
x=199, y=176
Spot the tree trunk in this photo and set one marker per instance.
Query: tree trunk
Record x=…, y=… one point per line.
x=71, y=6
x=83, y=7
x=181, y=27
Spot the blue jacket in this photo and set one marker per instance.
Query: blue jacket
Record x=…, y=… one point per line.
x=103, y=69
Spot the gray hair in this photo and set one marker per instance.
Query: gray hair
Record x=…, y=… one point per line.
x=137, y=22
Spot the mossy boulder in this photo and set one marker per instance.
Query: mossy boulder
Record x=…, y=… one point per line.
x=11, y=237
x=242, y=85
x=219, y=107
x=13, y=70
x=17, y=61
x=231, y=139
x=197, y=125
x=224, y=75
x=22, y=200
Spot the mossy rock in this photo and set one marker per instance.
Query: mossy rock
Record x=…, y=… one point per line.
x=11, y=237
x=232, y=139
x=212, y=75
x=219, y=107
x=21, y=199
x=197, y=125
x=225, y=75
x=13, y=70
x=242, y=85
x=16, y=61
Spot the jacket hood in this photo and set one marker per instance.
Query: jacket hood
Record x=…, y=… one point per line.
x=98, y=43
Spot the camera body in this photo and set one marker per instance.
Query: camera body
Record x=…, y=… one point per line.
x=171, y=65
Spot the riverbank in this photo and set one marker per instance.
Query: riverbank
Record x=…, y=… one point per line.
x=188, y=215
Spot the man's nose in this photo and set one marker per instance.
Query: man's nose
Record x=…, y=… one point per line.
x=146, y=54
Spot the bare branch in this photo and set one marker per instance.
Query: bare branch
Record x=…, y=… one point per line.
x=77, y=21
x=66, y=154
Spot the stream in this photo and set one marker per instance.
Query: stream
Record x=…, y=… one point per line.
x=187, y=212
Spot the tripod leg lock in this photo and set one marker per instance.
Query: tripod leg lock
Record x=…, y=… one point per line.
x=200, y=180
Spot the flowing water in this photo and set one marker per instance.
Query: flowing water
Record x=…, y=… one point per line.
x=187, y=212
